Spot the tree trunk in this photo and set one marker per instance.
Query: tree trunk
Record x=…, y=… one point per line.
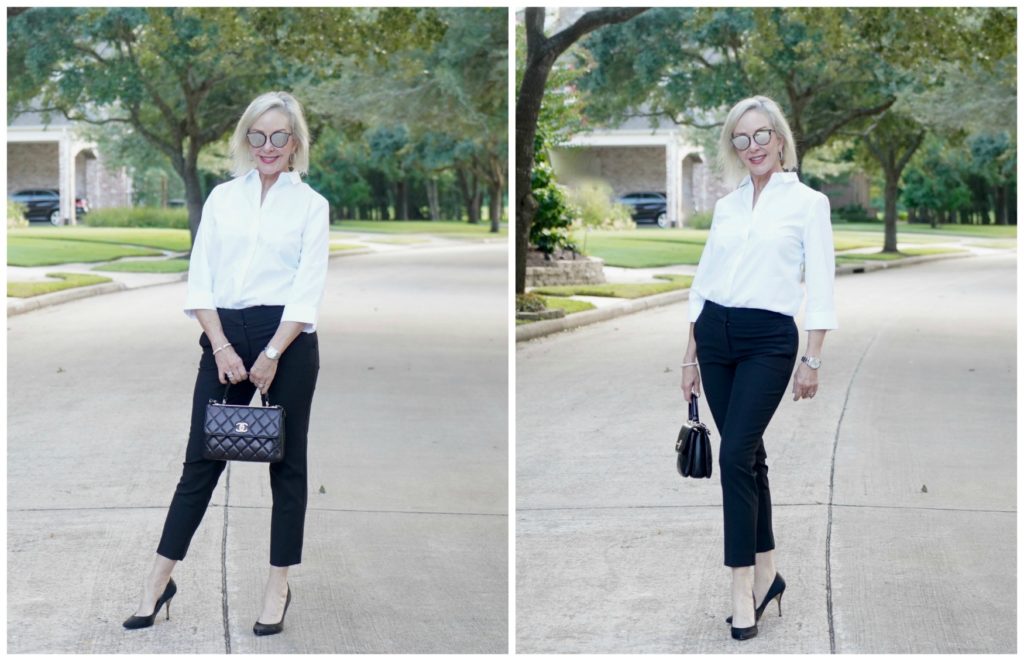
x=469, y=185
x=912, y=215
x=892, y=190
x=401, y=200
x=432, y=202
x=1000, y=204
x=193, y=195
x=496, y=207
x=1011, y=203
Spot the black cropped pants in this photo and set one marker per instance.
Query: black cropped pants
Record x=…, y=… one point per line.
x=249, y=330
x=746, y=358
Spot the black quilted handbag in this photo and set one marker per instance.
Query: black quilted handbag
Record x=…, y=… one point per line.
x=243, y=433
x=693, y=446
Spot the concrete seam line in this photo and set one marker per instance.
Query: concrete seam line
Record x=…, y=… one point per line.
x=831, y=494
x=224, y=563
x=719, y=507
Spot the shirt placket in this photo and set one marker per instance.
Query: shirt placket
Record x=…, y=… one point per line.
x=254, y=237
x=741, y=254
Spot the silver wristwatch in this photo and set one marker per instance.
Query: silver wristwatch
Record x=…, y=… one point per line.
x=811, y=361
x=271, y=352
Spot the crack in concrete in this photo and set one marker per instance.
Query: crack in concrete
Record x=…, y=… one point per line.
x=224, y=563
x=774, y=505
x=252, y=507
x=831, y=493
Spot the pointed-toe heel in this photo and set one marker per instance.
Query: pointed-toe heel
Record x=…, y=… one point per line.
x=775, y=591
x=261, y=629
x=139, y=622
x=744, y=633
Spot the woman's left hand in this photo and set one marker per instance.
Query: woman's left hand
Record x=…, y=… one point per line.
x=805, y=382
x=262, y=373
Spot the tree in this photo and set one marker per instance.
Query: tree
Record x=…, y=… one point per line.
x=176, y=75
x=892, y=140
x=541, y=53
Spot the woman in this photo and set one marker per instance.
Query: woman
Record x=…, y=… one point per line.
x=765, y=235
x=256, y=279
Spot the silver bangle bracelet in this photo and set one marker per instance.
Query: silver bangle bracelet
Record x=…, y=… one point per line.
x=221, y=347
x=690, y=364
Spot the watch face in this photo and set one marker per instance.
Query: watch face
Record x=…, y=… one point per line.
x=813, y=363
x=271, y=352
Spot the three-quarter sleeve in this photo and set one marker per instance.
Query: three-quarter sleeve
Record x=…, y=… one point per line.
x=200, y=268
x=307, y=288
x=819, y=268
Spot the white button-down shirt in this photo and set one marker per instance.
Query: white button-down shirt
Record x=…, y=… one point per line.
x=248, y=254
x=755, y=255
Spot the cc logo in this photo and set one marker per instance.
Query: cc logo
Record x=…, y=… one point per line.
x=242, y=427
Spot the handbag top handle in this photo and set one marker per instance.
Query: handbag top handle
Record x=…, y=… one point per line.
x=693, y=407
x=224, y=399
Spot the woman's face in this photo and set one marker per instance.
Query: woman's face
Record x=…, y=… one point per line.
x=270, y=158
x=759, y=159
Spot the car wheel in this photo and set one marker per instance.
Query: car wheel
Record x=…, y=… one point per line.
x=55, y=218
x=662, y=220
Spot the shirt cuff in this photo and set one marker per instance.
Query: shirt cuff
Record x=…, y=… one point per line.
x=304, y=314
x=820, y=321
x=198, y=301
x=696, y=305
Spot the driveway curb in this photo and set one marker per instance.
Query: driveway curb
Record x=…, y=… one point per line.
x=22, y=306
x=537, y=329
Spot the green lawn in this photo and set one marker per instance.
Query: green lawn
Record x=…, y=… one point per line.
x=888, y=256
x=440, y=227
x=339, y=247
x=400, y=240
x=164, y=239
x=24, y=251
x=145, y=266
x=981, y=231
x=644, y=248
x=67, y=281
x=567, y=304
x=617, y=290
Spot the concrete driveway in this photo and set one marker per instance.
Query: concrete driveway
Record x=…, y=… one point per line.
x=894, y=489
x=406, y=546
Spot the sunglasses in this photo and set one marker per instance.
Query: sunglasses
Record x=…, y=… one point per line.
x=259, y=138
x=761, y=136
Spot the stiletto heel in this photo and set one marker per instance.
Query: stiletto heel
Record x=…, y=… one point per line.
x=774, y=592
x=141, y=622
x=261, y=629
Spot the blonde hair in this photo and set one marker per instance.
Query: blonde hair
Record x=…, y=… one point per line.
x=242, y=160
x=729, y=161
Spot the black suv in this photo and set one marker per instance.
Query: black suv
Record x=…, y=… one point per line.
x=647, y=207
x=43, y=205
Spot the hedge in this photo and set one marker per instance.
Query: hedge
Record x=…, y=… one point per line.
x=138, y=217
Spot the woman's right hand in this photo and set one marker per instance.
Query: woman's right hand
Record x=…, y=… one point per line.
x=691, y=382
x=230, y=366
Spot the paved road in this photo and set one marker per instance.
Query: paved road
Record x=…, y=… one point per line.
x=894, y=489
x=407, y=530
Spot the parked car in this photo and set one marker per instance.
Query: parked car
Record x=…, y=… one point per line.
x=43, y=205
x=647, y=207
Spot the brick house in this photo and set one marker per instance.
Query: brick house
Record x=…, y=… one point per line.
x=53, y=155
x=636, y=157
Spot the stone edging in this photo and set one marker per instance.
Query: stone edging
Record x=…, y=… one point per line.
x=21, y=306
x=541, y=328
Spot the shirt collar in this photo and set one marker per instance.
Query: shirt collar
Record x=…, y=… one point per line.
x=777, y=177
x=287, y=177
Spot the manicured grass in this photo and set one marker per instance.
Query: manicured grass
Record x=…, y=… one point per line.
x=339, y=247
x=145, y=266
x=685, y=280
x=616, y=290
x=164, y=239
x=645, y=249
x=440, y=227
x=67, y=281
x=888, y=256
x=982, y=231
x=567, y=304
x=1002, y=244
x=23, y=251
x=400, y=240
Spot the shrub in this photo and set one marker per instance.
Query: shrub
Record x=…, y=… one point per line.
x=596, y=207
x=853, y=213
x=700, y=220
x=138, y=217
x=16, y=215
x=549, y=231
x=530, y=303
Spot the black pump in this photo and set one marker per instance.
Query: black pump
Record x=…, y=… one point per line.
x=137, y=622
